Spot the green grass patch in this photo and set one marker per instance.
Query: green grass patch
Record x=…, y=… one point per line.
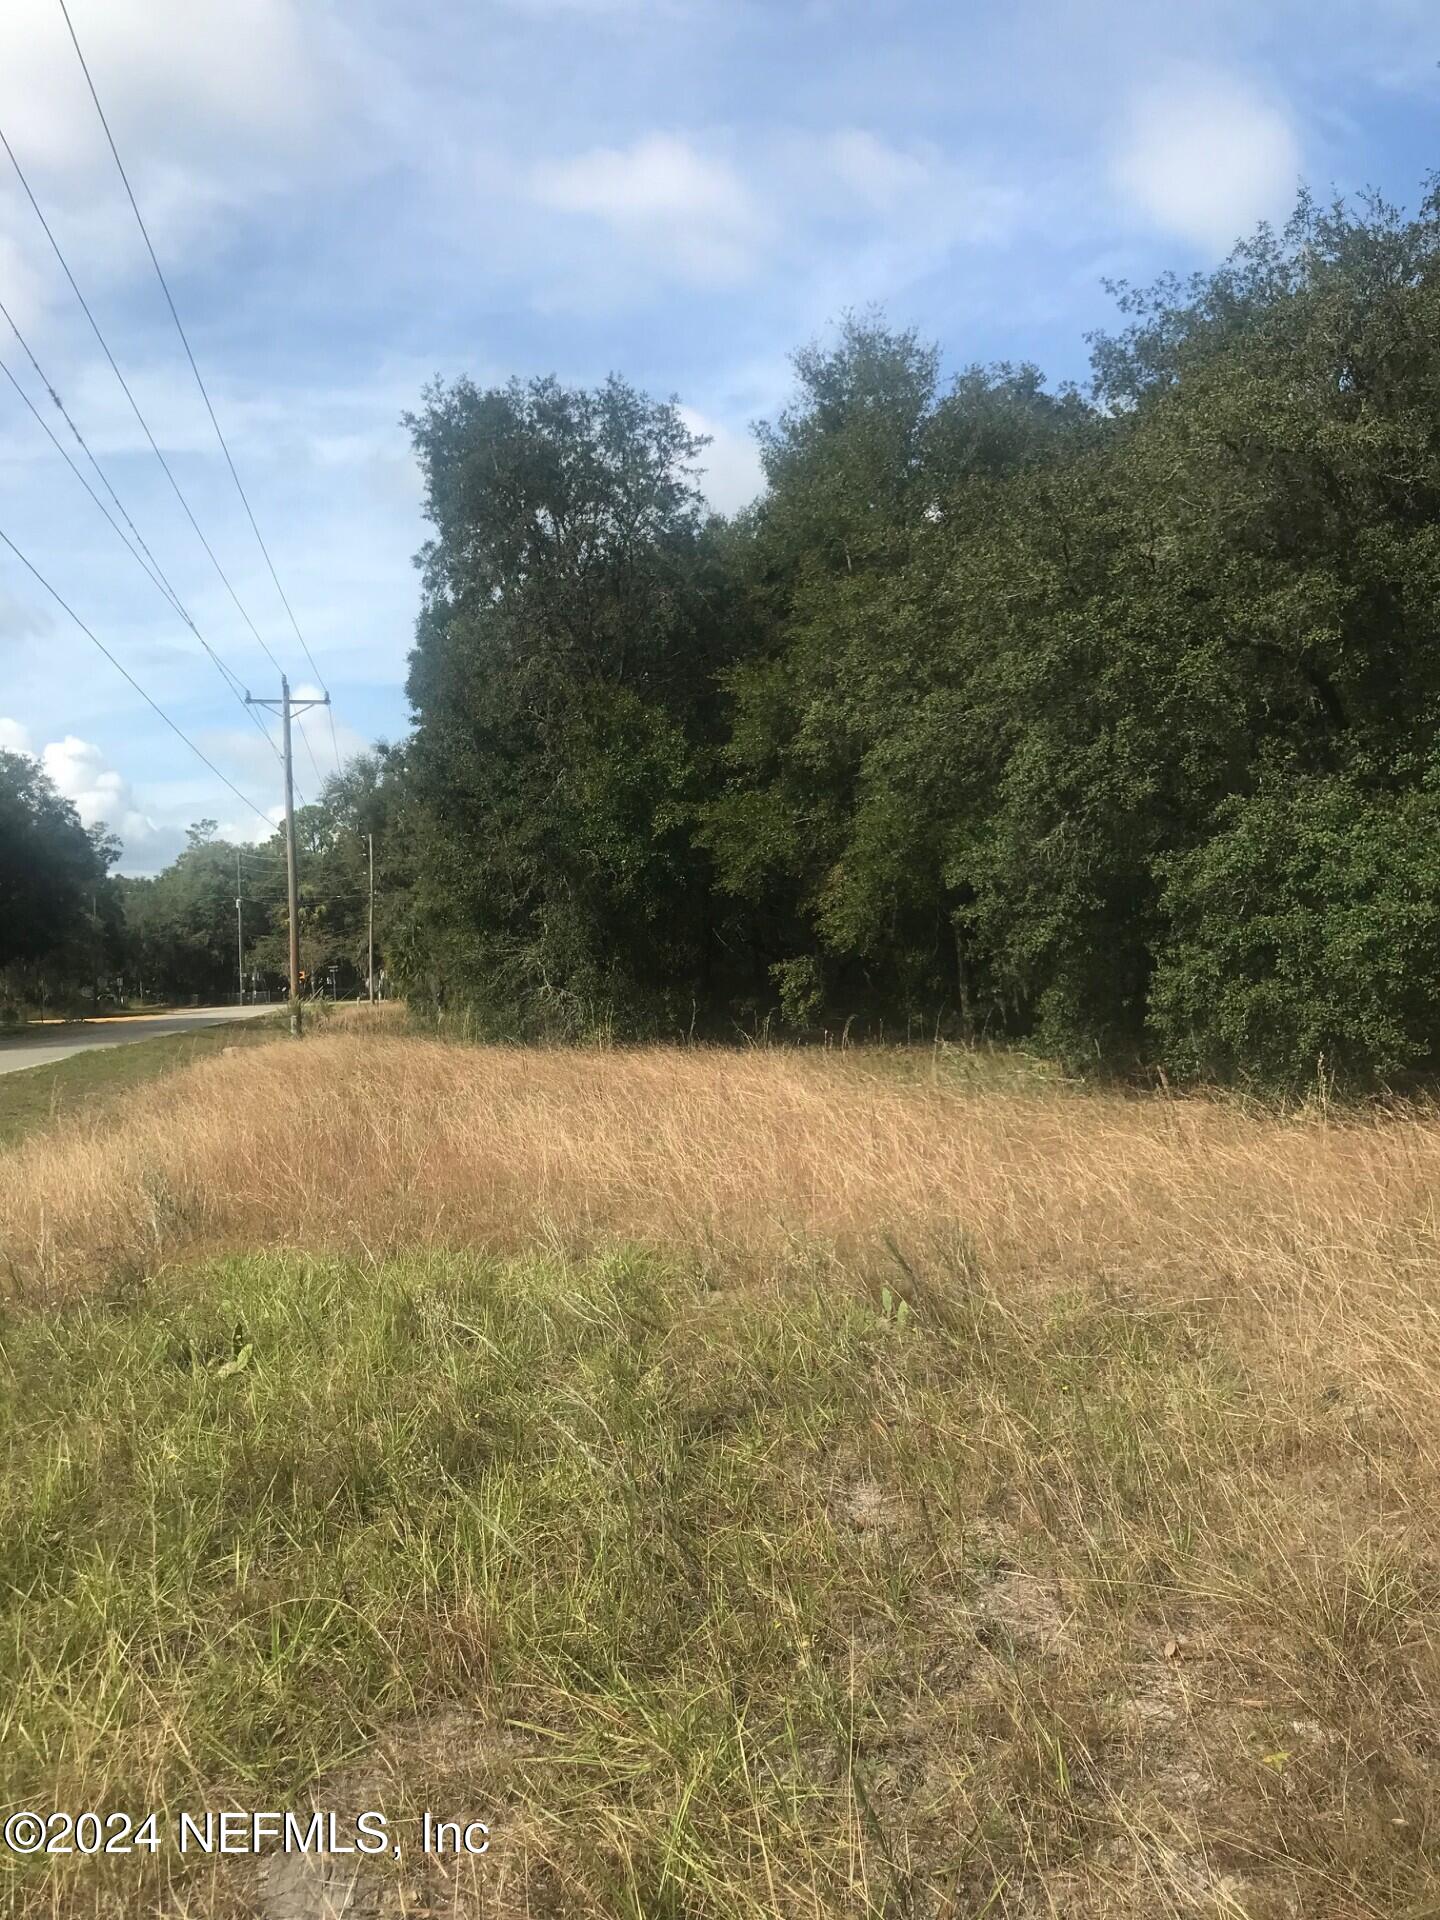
x=710, y=1603
x=31, y=1097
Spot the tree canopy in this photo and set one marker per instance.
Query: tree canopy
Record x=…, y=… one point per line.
x=52, y=881
x=1103, y=718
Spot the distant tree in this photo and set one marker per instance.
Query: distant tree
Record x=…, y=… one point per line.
x=362, y=800
x=51, y=869
x=181, y=923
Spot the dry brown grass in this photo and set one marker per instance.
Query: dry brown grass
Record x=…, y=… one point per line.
x=366, y=1016
x=1138, y=1547
x=1321, y=1229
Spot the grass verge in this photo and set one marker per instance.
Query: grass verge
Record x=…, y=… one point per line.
x=794, y=1599
x=32, y=1097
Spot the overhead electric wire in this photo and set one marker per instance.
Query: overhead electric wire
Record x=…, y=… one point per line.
x=135, y=409
x=141, y=550
x=177, y=730
x=144, y=559
x=194, y=368
x=50, y=388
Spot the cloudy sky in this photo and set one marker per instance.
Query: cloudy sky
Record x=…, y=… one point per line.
x=350, y=198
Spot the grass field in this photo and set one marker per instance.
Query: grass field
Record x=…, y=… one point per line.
x=753, y=1483
x=34, y=1096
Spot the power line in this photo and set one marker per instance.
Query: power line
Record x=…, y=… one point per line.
x=134, y=404
x=194, y=368
x=139, y=549
x=64, y=413
x=154, y=704
x=141, y=553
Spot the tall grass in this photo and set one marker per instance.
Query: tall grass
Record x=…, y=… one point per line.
x=1319, y=1231
x=766, y=1483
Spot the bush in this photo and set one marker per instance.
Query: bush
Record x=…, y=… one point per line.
x=1304, y=937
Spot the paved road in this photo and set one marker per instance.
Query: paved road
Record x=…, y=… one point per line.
x=37, y=1046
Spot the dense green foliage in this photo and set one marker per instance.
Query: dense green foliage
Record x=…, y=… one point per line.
x=56, y=911
x=1105, y=719
x=181, y=924
x=1101, y=719
x=566, y=675
x=78, y=940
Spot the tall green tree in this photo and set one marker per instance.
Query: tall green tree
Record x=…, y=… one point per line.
x=56, y=920
x=851, y=754
x=562, y=671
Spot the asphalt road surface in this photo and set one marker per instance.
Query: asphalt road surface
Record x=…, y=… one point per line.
x=37, y=1046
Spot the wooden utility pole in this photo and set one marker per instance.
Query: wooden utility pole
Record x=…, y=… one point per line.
x=239, y=933
x=291, y=888
x=285, y=706
x=370, y=842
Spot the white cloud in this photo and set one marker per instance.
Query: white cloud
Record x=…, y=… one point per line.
x=381, y=460
x=181, y=74
x=23, y=619
x=867, y=218
x=315, y=728
x=152, y=835
x=251, y=758
x=256, y=764
x=872, y=171
x=249, y=832
x=691, y=212
x=847, y=215
x=214, y=106
x=627, y=12
x=98, y=792
x=1206, y=156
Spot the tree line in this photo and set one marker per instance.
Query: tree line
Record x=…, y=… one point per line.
x=1097, y=717
x=1104, y=719
x=75, y=936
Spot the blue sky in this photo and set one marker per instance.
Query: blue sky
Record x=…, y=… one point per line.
x=351, y=198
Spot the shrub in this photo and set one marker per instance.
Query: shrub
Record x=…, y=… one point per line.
x=1304, y=936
